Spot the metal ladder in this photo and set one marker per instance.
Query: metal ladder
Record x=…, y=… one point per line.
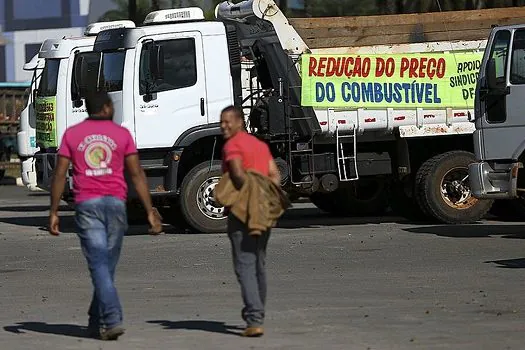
x=342, y=159
x=298, y=153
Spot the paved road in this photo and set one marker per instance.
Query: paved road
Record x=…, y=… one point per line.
x=374, y=283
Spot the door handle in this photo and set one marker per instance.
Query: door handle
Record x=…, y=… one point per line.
x=202, y=107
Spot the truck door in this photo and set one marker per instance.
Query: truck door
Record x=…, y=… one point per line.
x=503, y=123
x=170, y=89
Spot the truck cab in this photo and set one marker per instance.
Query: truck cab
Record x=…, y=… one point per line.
x=168, y=92
x=26, y=137
x=57, y=105
x=498, y=172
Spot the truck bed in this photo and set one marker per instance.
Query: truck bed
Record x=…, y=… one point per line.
x=330, y=32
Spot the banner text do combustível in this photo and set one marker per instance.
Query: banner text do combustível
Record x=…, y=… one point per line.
x=436, y=80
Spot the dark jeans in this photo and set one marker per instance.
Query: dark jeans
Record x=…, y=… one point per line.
x=102, y=223
x=249, y=259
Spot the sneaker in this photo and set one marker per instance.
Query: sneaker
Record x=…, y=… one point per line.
x=111, y=333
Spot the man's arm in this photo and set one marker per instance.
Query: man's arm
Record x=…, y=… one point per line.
x=57, y=189
x=237, y=173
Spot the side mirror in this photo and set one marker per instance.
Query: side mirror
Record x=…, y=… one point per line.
x=491, y=74
x=156, y=61
x=78, y=72
x=84, y=72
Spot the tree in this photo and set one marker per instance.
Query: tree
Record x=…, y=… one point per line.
x=146, y=6
x=121, y=11
x=326, y=8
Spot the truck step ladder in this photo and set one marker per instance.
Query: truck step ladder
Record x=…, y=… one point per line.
x=345, y=162
x=308, y=151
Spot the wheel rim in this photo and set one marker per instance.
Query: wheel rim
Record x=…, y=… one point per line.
x=206, y=202
x=455, y=189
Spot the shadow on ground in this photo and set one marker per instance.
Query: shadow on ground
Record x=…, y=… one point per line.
x=8, y=181
x=509, y=264
x=69, y=330
x=67, y=223
x=33, y=208
x=472, y=231
x=314, y=218
x=198, y=325
x=294, y=218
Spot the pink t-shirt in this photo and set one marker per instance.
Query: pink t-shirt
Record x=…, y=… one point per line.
x=97, y=149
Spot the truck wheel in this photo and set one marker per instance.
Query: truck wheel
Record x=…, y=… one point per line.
x=366, y=197
x=198, y=207
x=402, y=200
x=324, y=201
x=3, y=158
x=443, y=191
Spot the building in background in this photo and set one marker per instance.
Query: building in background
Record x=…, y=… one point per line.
x=25, y=24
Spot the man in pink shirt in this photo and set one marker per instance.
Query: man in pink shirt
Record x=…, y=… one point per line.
x=100, y=151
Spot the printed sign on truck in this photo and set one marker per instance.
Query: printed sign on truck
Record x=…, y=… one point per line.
x=435, y=80
x=46, y=127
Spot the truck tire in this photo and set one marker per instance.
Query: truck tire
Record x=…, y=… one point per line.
x=366, y=197
x=324, y=201
x=3, y=158
x=197, y=206
x=443, y=191
x=403, y=202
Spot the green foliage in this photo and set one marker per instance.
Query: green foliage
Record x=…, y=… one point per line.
x=328, y=8
x=121, y=11
x=146, y=6
x=321, y=8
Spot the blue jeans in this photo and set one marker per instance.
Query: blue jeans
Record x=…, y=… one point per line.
x=102, y=223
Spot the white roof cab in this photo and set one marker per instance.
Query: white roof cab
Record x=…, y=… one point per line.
x=175, y=15
x=94, y=28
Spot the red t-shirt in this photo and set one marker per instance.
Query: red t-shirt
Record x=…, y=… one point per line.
x=97, y=149
x=254, y=153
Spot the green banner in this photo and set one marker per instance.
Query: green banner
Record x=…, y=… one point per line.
x=46, y=125
x=435, y=80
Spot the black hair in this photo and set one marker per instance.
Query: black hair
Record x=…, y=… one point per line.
x=96, y=100
x=236, y=110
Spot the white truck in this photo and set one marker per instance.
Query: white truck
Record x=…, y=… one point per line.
x=498, y=172
x=170, y=78
x=54, y=109
x=26, y=137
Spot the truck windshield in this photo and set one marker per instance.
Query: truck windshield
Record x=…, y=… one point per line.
x=48, y=81
x=517, y=68
x=93, y=70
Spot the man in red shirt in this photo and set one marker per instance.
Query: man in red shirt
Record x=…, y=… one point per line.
x=100, y=150
x=243, y=152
